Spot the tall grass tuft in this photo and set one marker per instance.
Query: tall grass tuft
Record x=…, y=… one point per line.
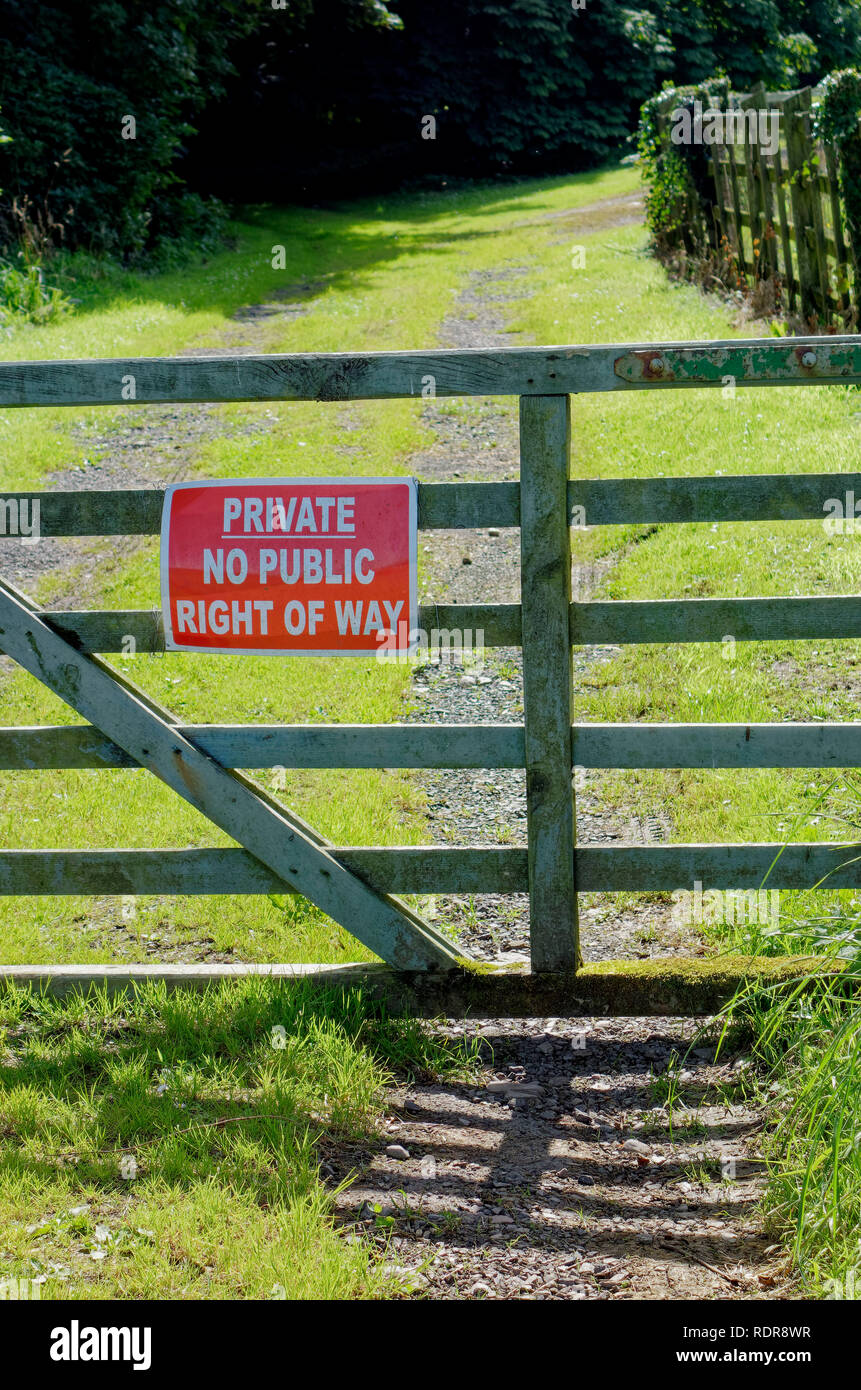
x=807, y=1040
x=25, y=295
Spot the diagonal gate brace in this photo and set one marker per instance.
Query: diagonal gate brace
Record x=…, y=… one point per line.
x=284, y=843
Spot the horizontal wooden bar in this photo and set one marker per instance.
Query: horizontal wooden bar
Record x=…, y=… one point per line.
x=757, y=497
x=461, y=506
x=137, y=511
x=716, y=745
x=431, y=869
x=712, y=619
x=110, y=630
x=201, y=872
x=386, y=375
x=452, y=745
x=653, y=988
x=663, y=868
x=595, y=623
x=91, y=511
x=281, y=745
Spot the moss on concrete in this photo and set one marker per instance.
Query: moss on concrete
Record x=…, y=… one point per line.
x=686, y=987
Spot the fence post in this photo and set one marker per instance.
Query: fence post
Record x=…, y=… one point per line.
x=798, y=150
x=545, y=549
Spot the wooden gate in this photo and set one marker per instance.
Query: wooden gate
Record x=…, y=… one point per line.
x=280, y=852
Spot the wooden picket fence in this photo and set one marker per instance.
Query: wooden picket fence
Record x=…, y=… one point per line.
x=278, y=852
x=779, y=211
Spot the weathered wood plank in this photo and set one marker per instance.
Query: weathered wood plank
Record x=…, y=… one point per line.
x=615, y=621
x=765, y=497
x=801, y=196
x=141, y=630
x=204, y=872
x=606, y=501
x=461, y=506
x=662, y=868
x=453, y=745
x=712, y=619
x=94, y=511
x=386, y=927
x=677, y=987
x=386, y=375
x=737, y=217
x=841, y=254
x=281, y=745
x=754, y=193
x=790, y=280
x=424, y=869
x=717, y=745
x=138, y=511
x=545, y=584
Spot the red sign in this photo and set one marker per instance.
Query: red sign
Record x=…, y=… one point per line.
x=303, y=566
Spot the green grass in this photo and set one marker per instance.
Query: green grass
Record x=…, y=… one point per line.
x=168, y=1146
x=805, y=1047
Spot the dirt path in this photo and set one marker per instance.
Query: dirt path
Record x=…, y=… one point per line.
x=564, y=1175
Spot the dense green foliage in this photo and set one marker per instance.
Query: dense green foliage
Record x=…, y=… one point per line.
x=71, y=74
x=675, y=174
x=297, y=98
x=523, y=86
x=837, y=119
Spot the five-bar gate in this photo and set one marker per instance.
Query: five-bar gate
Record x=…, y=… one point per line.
x=278, y=851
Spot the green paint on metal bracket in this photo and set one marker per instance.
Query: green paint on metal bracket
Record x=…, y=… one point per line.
x=798, y=361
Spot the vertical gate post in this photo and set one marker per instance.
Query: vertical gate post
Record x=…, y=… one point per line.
x=545, y=552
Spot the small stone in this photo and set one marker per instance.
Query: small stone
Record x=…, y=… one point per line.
x=636, y=1146
x=410, y=1276
x=584, y=1180
x=521, y=1090
x=467, y=560
x=587, y=1268
x=397, y=1151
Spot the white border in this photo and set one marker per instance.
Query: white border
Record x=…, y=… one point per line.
x=171, y=645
